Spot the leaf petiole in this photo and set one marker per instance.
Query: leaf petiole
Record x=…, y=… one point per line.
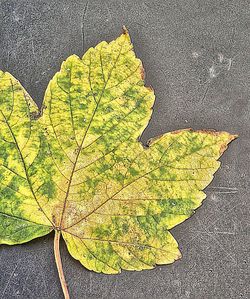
x=59, y=264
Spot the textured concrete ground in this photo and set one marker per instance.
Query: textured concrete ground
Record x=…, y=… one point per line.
x=197, y=58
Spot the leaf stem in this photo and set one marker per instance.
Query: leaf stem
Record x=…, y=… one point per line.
x=59, y=264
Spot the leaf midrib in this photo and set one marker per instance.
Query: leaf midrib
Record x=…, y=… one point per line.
x=83, y=139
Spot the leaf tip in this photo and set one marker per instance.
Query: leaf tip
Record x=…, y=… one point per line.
x=226, y=137
x=232, y=137
x=229, y=139
x=179, y=256
x=125, y=34
x=125, y=30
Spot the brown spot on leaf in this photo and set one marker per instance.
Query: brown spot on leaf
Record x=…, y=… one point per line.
x=150, y=88
x=142, y=72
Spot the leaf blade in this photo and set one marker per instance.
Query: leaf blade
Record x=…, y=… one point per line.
x=79, y=97
x=18, y=146
x=15, y=230
x=135, y=215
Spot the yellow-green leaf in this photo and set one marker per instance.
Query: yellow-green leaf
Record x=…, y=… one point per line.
x=22, y=213
x=79, y=168
x=142, y=194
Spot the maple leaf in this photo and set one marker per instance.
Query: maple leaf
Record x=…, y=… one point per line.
x=79, y=169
